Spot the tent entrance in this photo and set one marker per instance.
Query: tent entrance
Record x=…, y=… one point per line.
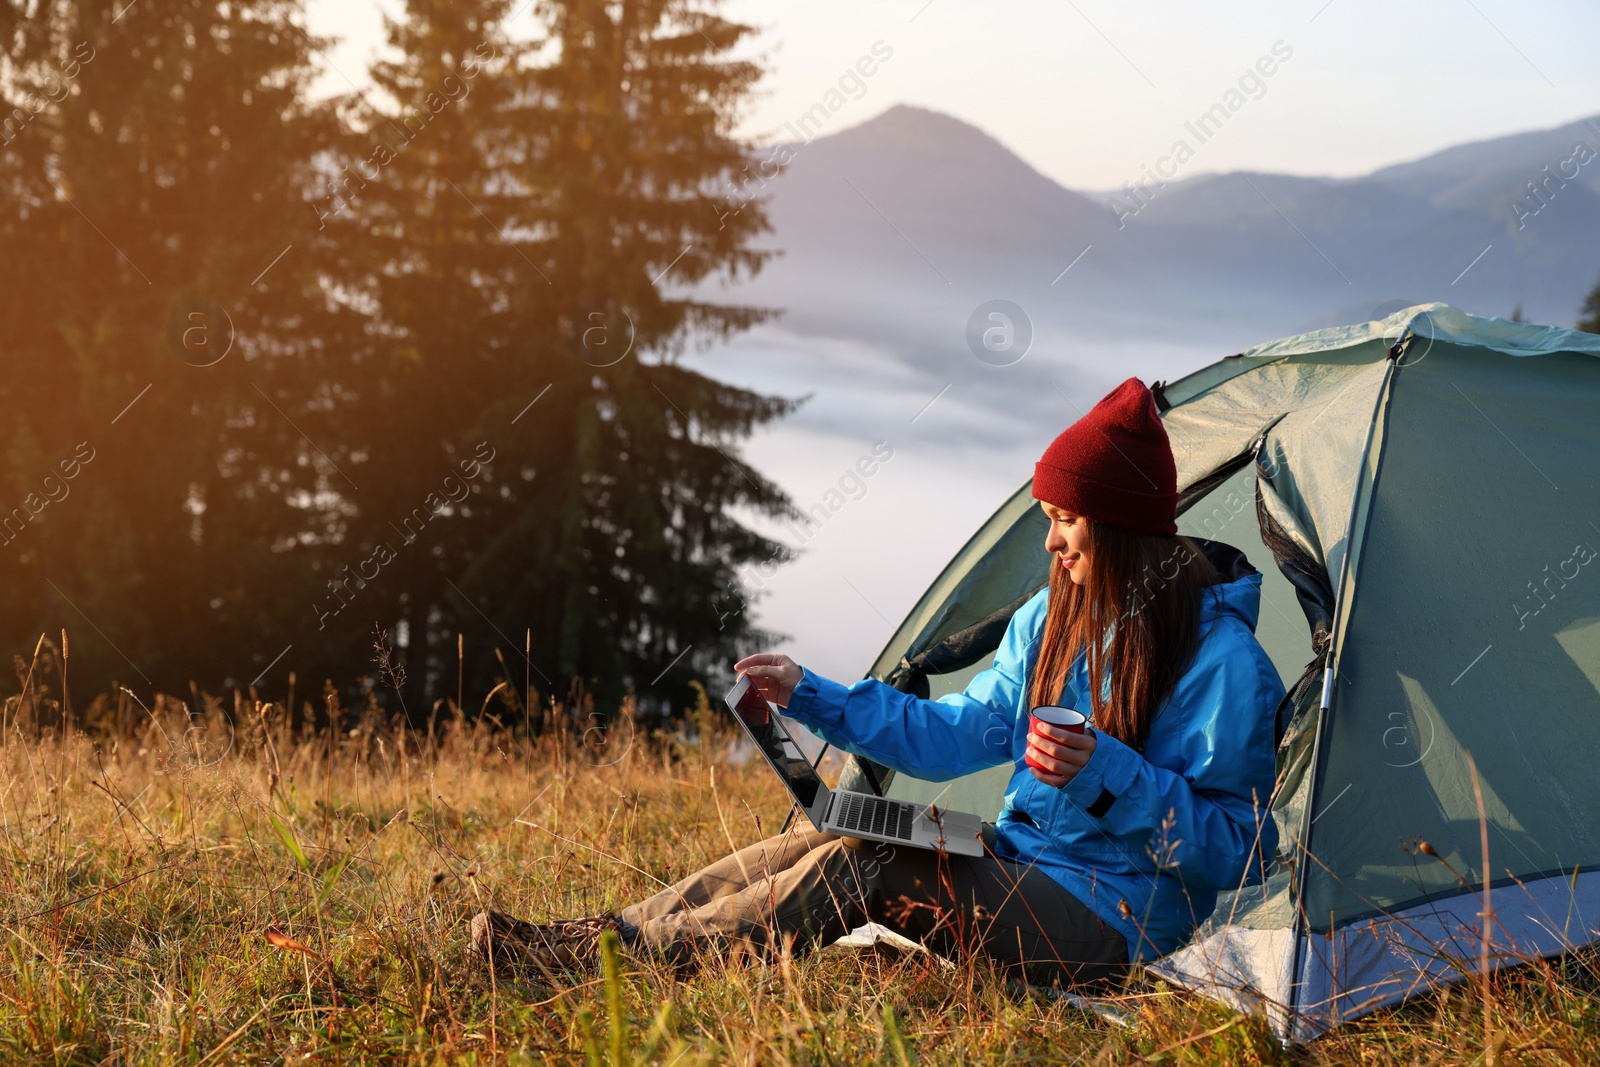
x=1226, y=513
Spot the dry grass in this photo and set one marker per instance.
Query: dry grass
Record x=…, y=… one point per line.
x=294, y=897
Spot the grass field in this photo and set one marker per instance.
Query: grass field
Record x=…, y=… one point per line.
x=183, y=891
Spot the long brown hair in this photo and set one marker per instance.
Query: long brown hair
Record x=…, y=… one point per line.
x=1144, y=591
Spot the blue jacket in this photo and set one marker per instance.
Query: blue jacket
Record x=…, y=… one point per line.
x=1146, y=839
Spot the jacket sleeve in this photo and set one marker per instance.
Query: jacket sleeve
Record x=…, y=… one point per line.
x=1208, y=819
x=935, y=740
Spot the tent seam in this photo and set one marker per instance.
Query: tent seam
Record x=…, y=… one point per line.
x=1380, y=412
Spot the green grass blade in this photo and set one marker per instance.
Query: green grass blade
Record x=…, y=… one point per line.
x=286, y=835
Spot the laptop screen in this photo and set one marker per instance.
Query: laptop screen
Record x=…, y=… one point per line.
x=778, y=747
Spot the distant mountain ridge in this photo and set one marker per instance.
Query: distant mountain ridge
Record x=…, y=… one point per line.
x=916, y=198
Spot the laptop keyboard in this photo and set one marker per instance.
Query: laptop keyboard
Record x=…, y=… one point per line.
x=876, y=815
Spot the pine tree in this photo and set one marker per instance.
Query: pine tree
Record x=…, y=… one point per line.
x=453, y=396
x=410, y=243
x=629, y=161
x=150, y=202
x=524, y=254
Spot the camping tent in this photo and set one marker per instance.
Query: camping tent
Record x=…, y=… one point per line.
x=1422, y=495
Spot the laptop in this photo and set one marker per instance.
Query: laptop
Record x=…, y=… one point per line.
x=842, y=811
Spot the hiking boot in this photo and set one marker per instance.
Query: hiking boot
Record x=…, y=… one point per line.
x=571, y=945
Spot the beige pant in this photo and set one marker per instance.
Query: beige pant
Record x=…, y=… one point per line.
x=807, y=887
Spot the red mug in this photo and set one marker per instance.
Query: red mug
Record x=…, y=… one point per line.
x=1063, y=718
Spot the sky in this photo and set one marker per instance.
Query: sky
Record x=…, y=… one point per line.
x=1089, y=91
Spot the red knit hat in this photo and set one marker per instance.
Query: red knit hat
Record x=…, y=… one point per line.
x=1114, y=465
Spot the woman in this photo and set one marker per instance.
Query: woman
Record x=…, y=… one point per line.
x=1115, y=844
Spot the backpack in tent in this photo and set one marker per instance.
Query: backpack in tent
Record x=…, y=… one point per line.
x=1428, y=487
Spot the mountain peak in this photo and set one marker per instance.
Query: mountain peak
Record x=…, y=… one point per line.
x=921, y=119
x=909, y=128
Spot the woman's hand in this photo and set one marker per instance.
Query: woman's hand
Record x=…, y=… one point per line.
x=1060, y=750
x=773, y=675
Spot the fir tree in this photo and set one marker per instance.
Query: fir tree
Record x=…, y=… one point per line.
x=154, y=204
x=404, y=210
x=526, y=254
x=628, y=164
x=453, y=396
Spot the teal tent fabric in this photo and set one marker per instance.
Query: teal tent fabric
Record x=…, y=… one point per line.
x=1422, y=494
